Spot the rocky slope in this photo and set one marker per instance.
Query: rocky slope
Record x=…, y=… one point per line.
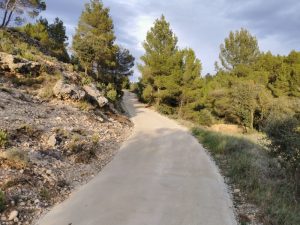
x=56, y=132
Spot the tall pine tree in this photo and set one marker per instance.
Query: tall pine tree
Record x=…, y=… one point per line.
x=94, y=46
x=191, y=82
x=239, y=48
x=93, y=42
x=160, y=69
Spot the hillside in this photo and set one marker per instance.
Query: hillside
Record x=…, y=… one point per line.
x=58, y=130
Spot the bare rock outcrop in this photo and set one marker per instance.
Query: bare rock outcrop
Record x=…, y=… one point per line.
x=94, y=93
x=12, y=63
x=63, y=90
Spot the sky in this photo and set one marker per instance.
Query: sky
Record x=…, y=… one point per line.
x=199, y=24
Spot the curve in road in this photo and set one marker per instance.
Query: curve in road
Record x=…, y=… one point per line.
x=161, y=176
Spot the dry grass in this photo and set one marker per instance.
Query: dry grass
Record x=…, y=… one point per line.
x=15, y=158
x=257, y=174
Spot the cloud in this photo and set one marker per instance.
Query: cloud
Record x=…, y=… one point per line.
x=201, y=25
x=270, y=18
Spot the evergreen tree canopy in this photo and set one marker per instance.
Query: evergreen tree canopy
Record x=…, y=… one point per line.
x=31, y=8
x=160, y=62
x=93, y=42
x=94, y=46
x=51, y=36
x=240, y=48
x=191, y=82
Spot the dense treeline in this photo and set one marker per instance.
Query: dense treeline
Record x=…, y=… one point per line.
x=95, y=54
x=248, y=86
x=253, y=89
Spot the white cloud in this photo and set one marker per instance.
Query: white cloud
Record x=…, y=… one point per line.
x=201, y=25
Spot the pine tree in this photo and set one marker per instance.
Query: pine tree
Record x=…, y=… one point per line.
x=191, y=82
x=240, y=48
x=93, y=42
x=30, y=8
x=51, y=36
x=94, y=46
x=160, y=71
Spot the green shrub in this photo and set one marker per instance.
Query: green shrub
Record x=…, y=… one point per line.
x=147, y=94
x=3, y=138
x=112, y=95
x=45, y=194
x=284, y=136
x=2, y=201
x=86, y=80
x=85, y=151
x=203, y=117
x=165, y=109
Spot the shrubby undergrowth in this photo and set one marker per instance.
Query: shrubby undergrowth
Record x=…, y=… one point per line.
x=260, y=177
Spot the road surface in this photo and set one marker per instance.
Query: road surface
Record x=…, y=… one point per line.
x=161, y=176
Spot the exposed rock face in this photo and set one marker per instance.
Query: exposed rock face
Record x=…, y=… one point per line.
x=64, y=91
x=16, y=64
x=93, y=92
x=56, y=147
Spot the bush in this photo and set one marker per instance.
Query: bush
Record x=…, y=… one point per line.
x=284, y=136
x=258, y=175
x=147, y=94
x=85, y=151
x=166, y=109
x=3, y=138
x=112, y=95
x=203, y=117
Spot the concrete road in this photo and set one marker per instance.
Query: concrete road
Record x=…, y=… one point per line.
x=161, y=176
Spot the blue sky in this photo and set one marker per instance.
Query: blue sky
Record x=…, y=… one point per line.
x=199, y=24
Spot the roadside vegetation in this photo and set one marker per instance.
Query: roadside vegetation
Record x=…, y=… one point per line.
x=260, y=177
x=255, y=91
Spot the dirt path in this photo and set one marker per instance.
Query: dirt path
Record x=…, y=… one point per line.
x=161, y=176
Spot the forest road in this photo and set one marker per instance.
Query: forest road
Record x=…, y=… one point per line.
x=160, y=176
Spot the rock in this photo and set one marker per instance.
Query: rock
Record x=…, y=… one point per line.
x=236, y=191
x=16, y=64
x=48, y=172
x=22, y=204
x=13, y=215
x=52, y=141
x=64, y=91
x=95, y=94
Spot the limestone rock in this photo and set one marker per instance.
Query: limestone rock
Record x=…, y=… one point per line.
x=12, y=63
x=64, y=91
x=13, y=215
x=94, y=93
x=52, y=141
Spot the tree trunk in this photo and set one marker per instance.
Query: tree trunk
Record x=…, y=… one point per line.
x=158, y=98
x=251, y=119
x=297, y=182
x=180, y=108
x=9, y=18
x=85, y=70
x=4, y=18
